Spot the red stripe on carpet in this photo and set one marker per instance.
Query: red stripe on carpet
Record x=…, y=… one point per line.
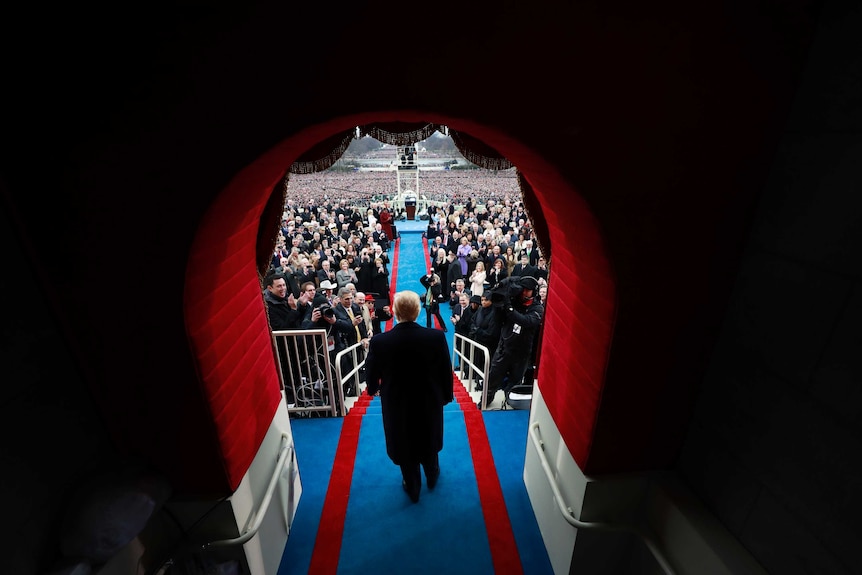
x=390, y=321
x=501, y=539
x=327, y=544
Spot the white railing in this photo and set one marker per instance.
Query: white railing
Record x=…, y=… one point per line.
x=356, y=353
x=466, y=353
x=569, y=515
x=255, y=519
x=313, y=381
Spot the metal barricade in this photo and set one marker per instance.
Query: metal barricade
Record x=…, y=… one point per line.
x=311, y=377
x=306, y=372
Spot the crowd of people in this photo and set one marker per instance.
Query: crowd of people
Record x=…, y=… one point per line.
x=332, y=253
x=330, y=270
x=502, y=308
x=364, y=188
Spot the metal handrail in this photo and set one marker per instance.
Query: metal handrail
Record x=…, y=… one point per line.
x=285, y=454
x=569, y=515
x=341, y=379
x=466, y=351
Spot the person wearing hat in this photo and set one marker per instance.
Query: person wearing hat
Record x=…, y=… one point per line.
x=325, y=293
x=521, y=317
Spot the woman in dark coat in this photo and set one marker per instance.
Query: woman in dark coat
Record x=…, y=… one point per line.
x=364, y=267
x=410, y=367
x=486, y=324
x=380, y=280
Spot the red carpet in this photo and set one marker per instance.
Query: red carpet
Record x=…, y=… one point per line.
x=327, y=545
x=501, y=539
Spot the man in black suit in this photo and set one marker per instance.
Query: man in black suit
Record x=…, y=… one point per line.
x=326, y=273
x=409, y=365
x=542, y=270
x=351, y=329
x=532, y=253
x=524, y=268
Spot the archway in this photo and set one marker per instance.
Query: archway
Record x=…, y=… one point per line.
x=226, y=321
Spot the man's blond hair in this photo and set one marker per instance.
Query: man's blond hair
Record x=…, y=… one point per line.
x=405, y=306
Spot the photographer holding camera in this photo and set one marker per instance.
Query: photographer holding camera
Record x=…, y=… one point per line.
x=321, y=315
x=433, y=298
x=522, y=314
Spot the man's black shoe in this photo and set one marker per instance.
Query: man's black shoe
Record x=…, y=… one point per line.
x=432, y=480
x=414, y=497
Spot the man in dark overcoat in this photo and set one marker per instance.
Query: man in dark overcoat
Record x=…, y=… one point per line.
x=410, y=367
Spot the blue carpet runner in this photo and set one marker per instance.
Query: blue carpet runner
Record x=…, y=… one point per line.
x=477, y=520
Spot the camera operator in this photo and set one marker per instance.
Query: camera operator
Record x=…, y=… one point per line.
x=522, y=314
x=324, y=294
x=433, y=298
x=321, y=315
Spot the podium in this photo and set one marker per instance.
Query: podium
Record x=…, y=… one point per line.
x=410, y=206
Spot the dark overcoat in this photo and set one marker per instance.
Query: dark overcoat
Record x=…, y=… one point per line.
x=411, y=368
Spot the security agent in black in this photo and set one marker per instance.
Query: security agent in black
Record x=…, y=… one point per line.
x=522, y=313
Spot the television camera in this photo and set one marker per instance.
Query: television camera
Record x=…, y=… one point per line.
x=508, y=291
